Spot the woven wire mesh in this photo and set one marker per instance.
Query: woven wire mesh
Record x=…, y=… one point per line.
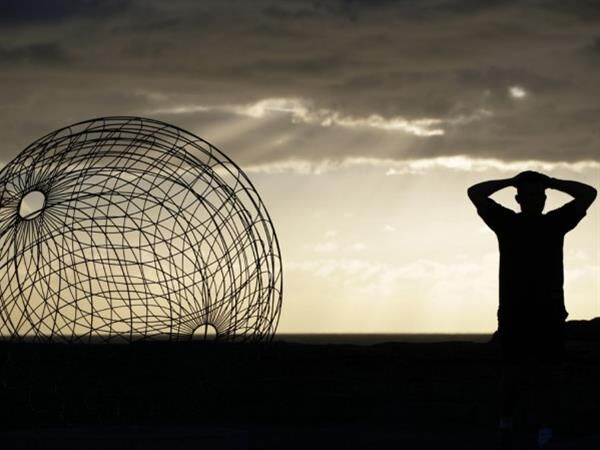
x=122, y=229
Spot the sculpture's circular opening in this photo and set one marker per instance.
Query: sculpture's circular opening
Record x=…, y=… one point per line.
x=32, y=204
x=205, y=332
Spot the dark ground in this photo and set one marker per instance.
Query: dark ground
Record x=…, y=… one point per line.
x=281, y=396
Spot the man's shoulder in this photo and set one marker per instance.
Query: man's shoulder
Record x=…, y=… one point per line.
x=491, y=207
x=567, y=216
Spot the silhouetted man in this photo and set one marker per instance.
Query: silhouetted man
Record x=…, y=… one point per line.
x=531, y=313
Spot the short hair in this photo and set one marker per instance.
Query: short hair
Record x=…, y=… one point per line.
x=529, y=182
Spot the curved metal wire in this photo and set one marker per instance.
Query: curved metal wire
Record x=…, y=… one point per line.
x=141, y=231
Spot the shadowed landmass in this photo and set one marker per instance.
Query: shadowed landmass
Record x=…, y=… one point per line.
x=279, y=396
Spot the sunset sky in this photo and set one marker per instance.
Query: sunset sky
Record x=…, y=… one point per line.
x=361, y=124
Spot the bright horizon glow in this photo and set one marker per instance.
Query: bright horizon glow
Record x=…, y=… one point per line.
x=459, y=163
x=367, y=249
x=426, y=262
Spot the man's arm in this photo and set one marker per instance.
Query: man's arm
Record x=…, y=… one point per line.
x=480, y=192
x=494, y=215
x=583, y=194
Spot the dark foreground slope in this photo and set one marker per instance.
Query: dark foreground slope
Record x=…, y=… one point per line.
x=280, y=391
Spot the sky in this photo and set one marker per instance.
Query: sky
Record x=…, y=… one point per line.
x=361, y=124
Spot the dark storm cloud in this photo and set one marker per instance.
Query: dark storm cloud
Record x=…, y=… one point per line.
x=419, y=7
x=588, y=10
x=34, y=53
x=594, y=46
x=18, y=12
x=442, y=59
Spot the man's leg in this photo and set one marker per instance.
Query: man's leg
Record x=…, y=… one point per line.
x=544, y=392
x=547, y=396
x=508, y=393
x=545, y=384
x=511, y=389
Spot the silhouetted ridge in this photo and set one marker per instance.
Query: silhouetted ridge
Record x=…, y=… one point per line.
x=584, y=329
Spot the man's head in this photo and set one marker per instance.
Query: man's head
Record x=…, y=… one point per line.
x=531, y=194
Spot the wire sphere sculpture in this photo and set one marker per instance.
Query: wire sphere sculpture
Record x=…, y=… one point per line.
x=121, y=229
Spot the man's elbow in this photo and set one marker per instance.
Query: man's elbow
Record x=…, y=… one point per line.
x=592, y=194
x=587, y=198
x=474, y=196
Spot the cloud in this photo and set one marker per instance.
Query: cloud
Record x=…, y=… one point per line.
x=383, y=279
x=359, y=247
x=16, y=12
x=517, y=92
x=391, y=167
x=326, y=247
x=466, y=164
x=320, y=82
x=304, y=111
x=35, y=53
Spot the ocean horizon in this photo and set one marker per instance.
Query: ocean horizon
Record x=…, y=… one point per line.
x=379, y=338
x=291, y=338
